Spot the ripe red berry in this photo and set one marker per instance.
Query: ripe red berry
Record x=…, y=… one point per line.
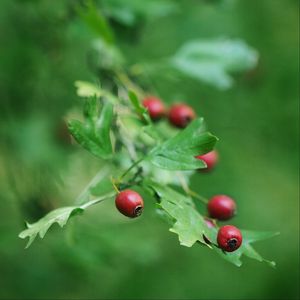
x=181, y=115
x=229, y=238
x=211, y=158
x=221, y=207
x=155, y=107
x=129, y=203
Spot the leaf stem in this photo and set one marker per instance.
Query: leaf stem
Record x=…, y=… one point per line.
x=128, y=83
x=114, y=185
x=190, y=192
x=131, y=167
x=97, y=200
x=197, y=196
x=101, y=174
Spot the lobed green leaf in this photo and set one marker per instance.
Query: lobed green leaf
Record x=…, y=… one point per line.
x=59, y=216
x=178, y=152
x=246, y=248
x=94, y=134
x=188, y=224
x=139, y=108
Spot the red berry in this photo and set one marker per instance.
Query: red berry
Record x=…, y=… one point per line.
x=181, y=115
x=229, y=238
x=129, y=203
x=221, y=207
x=211, y=158
x=155, y=107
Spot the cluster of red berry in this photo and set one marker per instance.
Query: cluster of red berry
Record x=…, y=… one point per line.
x=219, y=207
x=222, y=208
x=180, y=115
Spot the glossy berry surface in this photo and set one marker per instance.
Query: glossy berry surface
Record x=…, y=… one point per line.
x=229, y=238
x=180, y=115
x=155, y=107
x=129, y=203
x=211, y=159
x=221, y=207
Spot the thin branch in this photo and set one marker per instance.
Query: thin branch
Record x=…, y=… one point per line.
x=131, y=167
x=101, y=174
x=98, y=200
x=188, y=191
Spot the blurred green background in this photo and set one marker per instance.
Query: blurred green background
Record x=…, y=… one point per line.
x=44, y=49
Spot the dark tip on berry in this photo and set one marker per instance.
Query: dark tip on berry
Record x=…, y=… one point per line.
x=232, y=243
x=187, y=120
x=138, y=210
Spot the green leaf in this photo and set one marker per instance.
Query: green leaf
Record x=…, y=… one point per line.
x=94, y=134
x=187, y=222
x=246, y=248
x=142, y=112
x=165, y=177
x=83, y=137
x=100, y=188
x=87, y=89
x=191, y=226
x=59, y=216
x=177, y=162
x=152, y=132
x=139, y=108
x=255, y=236
x=130, y=12
x=91, y=109
x=106, y=56
x=103, y=126
x=96, y=21
x=178, y=152
x=212, y=61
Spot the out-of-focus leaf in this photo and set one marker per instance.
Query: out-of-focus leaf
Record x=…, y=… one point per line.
x=95, y=20
x=152, y=131
x=212, y=61
x=178, y=152
x=187, y=222
x=101, y=187
x=60, y=216
x=94, y=133
x=87, y=89
x=103, y=126
x=91, y=110
x=105, y=56
x=139, y=108
x=129, y=12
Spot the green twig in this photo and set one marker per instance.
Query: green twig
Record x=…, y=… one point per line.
x=131, y=167
x=98, y=200
x=188, y=191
